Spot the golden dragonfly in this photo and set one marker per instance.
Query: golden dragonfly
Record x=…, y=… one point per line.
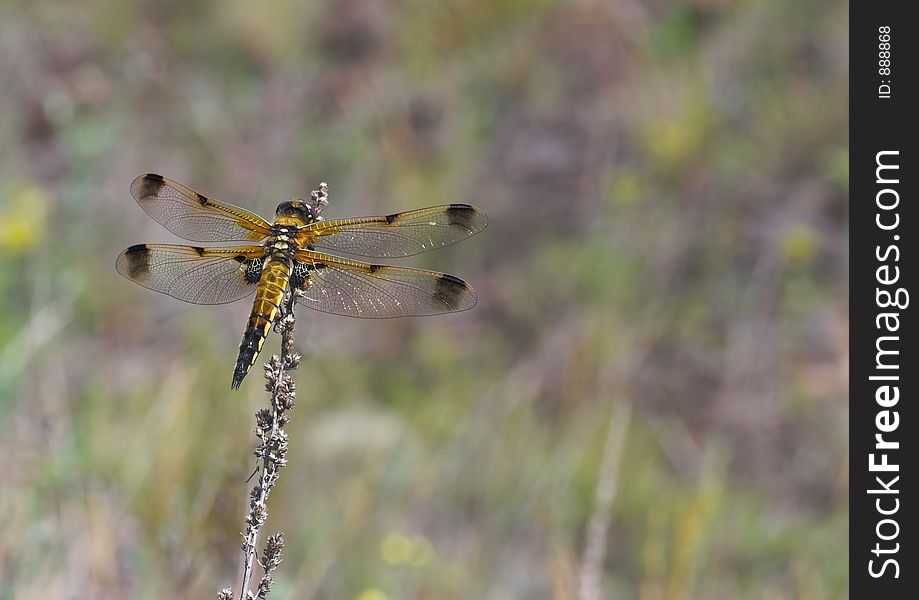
x=288, y=254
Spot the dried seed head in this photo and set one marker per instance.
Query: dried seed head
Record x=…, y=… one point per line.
x=264, y=586
x=258, y=514
x=263, y=420
x=271, y=558
x=321, y=196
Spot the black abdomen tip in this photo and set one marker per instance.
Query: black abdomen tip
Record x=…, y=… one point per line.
x=239, y=373
x=238, y=376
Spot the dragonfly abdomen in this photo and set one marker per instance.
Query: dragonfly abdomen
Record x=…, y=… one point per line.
x=265, y=308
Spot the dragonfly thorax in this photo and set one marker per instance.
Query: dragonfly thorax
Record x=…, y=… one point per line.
x=284, y=238
x=282, y=246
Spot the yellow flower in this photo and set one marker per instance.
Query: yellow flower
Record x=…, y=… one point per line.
x=398, y=549
x=800, y=245
x=22, y=217
x=371, y=594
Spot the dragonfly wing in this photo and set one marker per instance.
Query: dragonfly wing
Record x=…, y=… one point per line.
x=193, y=216
x=194, y=274
x=399, y=234
x=356, y=289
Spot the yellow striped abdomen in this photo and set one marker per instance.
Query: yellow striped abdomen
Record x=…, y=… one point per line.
x=271, y=287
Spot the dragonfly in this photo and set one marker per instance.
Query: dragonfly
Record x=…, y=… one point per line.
x=291, y=254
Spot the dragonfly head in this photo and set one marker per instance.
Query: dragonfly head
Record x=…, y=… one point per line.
x=296, y=208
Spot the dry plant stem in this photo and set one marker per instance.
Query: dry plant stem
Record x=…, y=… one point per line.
x=589, y=584
x=271, y=449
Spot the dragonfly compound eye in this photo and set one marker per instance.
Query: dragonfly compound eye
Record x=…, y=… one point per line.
x=295, y=208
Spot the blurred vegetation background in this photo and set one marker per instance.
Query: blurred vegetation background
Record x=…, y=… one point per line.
x=665, y=273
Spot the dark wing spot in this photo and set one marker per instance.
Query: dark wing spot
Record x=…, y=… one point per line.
x=392, y=217
x=460, y=215
x=450, y=290
x=199, y=250
x=240, y=259
x=253, y=269
x=373, y=268
x=299, y=275
x=138, y=261
x=147, y=186
x=202, y=199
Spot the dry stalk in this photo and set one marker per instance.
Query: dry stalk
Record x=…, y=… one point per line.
x=272, y=443
x=272, y=450
x=589, y=581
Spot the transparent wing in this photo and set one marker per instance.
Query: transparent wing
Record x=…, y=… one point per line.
x=193, y=274
x=399, y=234
x=356, y=289
x=192, y=216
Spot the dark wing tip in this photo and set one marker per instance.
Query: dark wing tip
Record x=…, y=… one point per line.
x=146, y=186
x=467, y=216
x=454, y=293
x=134, y=262
x=453, y=279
